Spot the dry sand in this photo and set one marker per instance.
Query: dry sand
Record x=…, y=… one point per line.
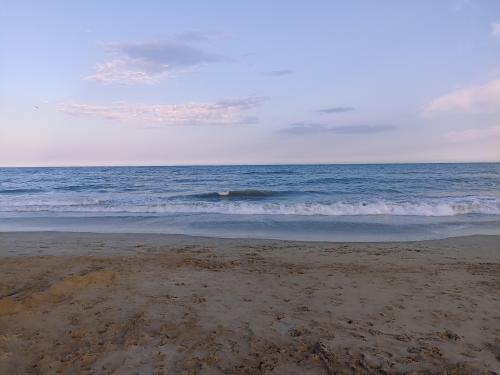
x=159, y=304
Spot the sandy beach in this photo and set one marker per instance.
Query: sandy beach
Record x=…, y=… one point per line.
x=249, y=188
x=163, y=304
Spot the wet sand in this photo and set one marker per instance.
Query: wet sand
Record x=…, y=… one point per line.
x=162, y=304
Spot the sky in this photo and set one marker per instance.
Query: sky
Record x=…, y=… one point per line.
x=248, y=82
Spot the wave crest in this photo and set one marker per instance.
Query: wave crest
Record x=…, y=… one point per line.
x=488, y=206
x=250, y=193
x=19, y=191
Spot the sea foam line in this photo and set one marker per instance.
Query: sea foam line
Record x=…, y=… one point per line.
x=490, y=206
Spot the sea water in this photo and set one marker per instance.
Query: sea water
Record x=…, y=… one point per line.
x=376, y=202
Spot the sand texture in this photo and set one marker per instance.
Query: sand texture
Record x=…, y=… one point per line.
x=157, y=304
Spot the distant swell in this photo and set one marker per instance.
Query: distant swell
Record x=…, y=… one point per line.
x=238, y=194
x=19, y=191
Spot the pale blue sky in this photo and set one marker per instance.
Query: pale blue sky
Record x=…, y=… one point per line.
x=226, y=82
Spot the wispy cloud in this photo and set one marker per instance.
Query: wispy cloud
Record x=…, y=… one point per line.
x=129, y=71
x=474, y=134
x=330, y=110
x=149, y=62
x=195, y=36
x=476, y=99
x=224, y=112
x=495, y=30
x=302, y=128
x=278, y=73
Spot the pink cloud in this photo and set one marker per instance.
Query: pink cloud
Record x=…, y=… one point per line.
x=229, y=111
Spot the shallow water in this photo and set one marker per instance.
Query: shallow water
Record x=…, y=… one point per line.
x=313, y=202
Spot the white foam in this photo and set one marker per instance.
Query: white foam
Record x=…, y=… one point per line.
x=437, y=207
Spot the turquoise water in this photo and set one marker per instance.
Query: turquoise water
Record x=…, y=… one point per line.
x=309, y=202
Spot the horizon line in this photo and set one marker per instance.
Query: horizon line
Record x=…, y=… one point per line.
x=241, y=164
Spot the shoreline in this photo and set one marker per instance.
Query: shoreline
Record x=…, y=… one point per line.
x=172, y=240
x=157, y=303
x=200, y=238
x=339, y=231
x=214, y=238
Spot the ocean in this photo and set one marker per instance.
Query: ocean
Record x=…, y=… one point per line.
x=375, y=202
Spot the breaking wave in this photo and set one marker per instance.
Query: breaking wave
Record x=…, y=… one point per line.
x=250, y=193
x=489, y=206
x=19, y=191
